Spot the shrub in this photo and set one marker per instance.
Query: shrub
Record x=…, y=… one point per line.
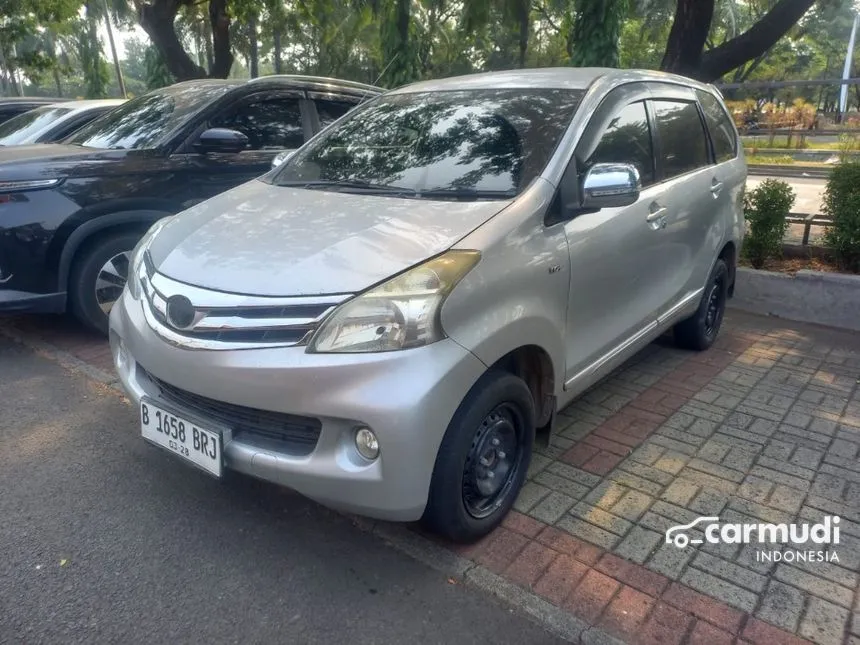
x=765, y=210
x=842, y=205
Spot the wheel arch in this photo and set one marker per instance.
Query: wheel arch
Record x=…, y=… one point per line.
x=119, y=219
x=729, y=255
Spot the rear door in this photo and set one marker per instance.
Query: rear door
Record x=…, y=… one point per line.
x=731, y=170
x=329, y=107
x=273, y=121
x=691, y=187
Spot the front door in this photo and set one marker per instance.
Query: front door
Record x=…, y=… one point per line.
x=272, y=123
x=614, y=284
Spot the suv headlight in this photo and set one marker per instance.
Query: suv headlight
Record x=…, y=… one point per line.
x=133, y=282
x=399, y=314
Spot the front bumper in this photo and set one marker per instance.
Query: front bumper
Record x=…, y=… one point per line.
x=407, y=398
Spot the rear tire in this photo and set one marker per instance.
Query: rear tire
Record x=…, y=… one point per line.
x=699, y=331
x=483, y=458
x=98, y=276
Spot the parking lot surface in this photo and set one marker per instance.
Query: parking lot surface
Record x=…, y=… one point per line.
x=763, y=428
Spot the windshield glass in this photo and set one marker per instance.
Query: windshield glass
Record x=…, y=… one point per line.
x=148, y=120
x=26, y=128
x=491, y=142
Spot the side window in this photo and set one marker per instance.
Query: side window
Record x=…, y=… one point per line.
x=627, y=139
x=273, y=123
x=331, y=111
x=683, y=141
x=720, y=126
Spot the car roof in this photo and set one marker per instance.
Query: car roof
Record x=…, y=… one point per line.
x=87, y=104
x=570, y=78
x=27, y=100
x=318, y=83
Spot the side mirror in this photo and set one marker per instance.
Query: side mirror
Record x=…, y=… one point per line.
x=610, y=185
x=221, y=140
x=281, y=157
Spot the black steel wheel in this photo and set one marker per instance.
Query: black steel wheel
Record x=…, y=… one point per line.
x=483, y=458
x=699, y=331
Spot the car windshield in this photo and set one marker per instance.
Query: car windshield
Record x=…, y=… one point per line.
x=478, y=143
x=147, y=121
x=26, y=128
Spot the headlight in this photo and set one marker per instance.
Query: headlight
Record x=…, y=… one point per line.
x=133, y=282
x=27, y=184
x=399, y=314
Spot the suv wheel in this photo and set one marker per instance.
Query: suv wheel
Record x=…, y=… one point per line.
x=699, y=331
x=483, y=459
x=98, y=277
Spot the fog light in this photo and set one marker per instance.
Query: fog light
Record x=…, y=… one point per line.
x=366, y=443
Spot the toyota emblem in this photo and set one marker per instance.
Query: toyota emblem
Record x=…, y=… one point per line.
x=180, y=312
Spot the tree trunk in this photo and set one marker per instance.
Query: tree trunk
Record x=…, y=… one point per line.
x=276, y=50
x=207, y=45
x=157, y=21
x=223, y=56
x=754, y=42
x=254, y=52
x=58, y=82
x=523, y=9
x=687, y=37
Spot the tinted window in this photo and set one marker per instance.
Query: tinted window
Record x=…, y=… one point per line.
x=627, y=139
x=487, y=142
x=331, y=111
x=720, y=126
x=26, y=128
x=273, y=123
x=683, y=141
x=147, y=121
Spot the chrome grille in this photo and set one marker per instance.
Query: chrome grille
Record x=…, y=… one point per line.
x=233, y=321
x=288, y=433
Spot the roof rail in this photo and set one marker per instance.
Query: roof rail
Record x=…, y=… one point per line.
x=302, y=78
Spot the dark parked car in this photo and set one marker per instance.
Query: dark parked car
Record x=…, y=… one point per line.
x=71, y=213
x=14, y=105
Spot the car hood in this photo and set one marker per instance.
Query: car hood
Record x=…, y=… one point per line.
x=48, y=160
x=260, y=239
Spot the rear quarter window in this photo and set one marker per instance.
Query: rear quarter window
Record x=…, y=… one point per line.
x=720, y=126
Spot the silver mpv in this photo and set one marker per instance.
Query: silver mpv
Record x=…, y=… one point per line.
x=385, y=321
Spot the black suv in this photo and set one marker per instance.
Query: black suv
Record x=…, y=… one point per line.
x=71, y=213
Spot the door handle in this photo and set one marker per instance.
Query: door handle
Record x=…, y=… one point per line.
x=655, y=215
x=716, y=188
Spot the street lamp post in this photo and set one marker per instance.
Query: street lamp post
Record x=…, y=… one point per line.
x=846, y=72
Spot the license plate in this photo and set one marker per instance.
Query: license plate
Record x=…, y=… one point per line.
x=181, y=436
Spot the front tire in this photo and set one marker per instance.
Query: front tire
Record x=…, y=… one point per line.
x=699, y=331
x=483, y=458
x=98, y=277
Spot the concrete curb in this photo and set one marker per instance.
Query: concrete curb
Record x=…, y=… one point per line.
x=555, y=620
x=831, y=299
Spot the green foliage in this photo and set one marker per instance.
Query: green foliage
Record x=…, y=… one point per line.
x=95, y=69
x=842, y=205
x=765, y=210
x=156, y=72
x=596, y=32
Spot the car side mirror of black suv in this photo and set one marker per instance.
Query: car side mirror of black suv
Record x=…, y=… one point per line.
x=221, y=140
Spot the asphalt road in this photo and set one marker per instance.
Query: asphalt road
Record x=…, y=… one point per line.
x=106, y=539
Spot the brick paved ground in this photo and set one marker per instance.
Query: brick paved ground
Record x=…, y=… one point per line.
x=764, y=427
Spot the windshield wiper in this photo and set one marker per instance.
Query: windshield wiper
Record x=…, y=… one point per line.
x=362, y=186
x=466, y=194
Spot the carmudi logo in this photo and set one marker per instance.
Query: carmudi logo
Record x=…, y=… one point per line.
x=710, y=530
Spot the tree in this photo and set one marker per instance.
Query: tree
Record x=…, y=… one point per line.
x=596, y=32
x=158, y=18
x=685, y=50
